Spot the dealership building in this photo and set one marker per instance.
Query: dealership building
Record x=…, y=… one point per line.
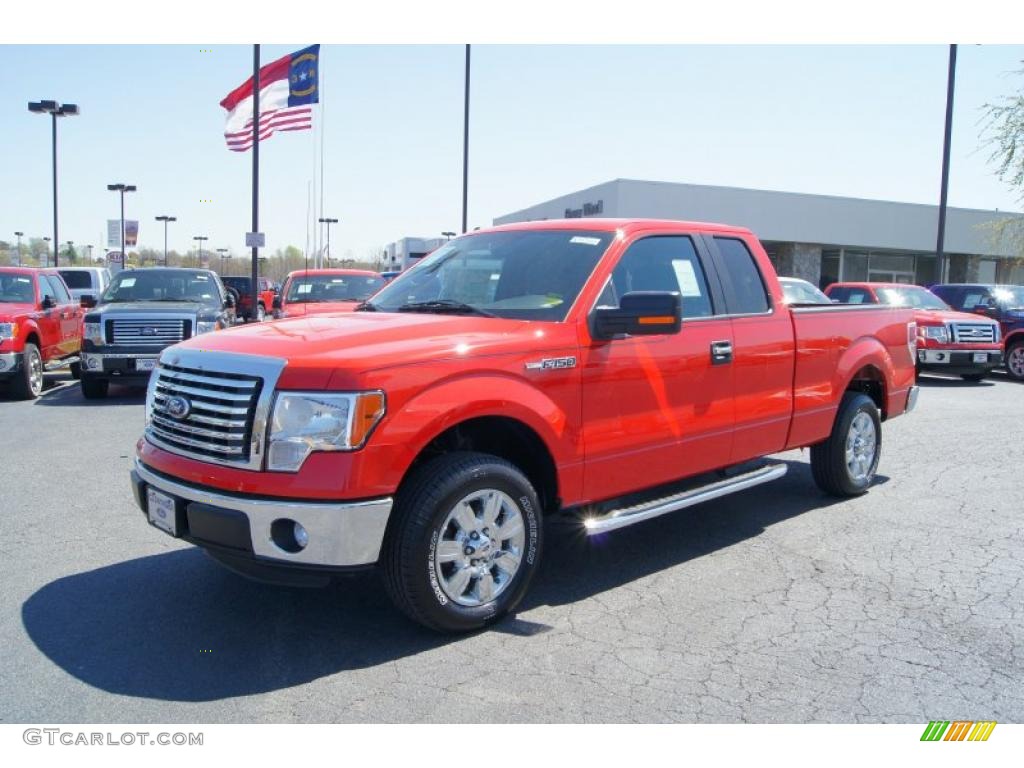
x=820, y=238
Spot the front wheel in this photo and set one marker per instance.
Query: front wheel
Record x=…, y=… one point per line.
x=28, y=384
x=464, y=542
x=845, y=463
x=1015, y=361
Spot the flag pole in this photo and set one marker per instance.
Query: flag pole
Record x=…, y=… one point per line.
x=255, y=174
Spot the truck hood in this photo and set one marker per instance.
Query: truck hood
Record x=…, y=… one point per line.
x=11, y=312
x=942, y=316
x=362, y=341
x=153, y=307
x=301, y=309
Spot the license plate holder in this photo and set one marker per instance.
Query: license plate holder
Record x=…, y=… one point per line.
x=145, y=363
x=981, y=357
x=162, y=511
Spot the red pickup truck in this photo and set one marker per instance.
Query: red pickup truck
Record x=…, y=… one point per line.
x=319, y=291
x=612, y=370
x=948, y=341
x=40, y=328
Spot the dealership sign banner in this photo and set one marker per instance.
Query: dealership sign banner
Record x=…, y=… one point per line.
x=131, y=233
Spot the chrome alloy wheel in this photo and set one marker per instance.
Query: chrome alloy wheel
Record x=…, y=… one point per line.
x=861, y=447
x=35, y=372
x=1015, y=361
x=480, y=547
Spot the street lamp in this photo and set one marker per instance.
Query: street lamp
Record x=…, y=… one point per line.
x=71, y=251
x=46, y=255
x=90, y=253
x=328, y=222
x=19, y=234
x=165, y=219
x=122, y=188
x=448, y=235
x=222, y=251
x=55, y=110
x=199, y=239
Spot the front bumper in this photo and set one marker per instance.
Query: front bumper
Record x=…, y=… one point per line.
x=118, y=364
x=959, y=361
x=342, y=534
x=10, y=363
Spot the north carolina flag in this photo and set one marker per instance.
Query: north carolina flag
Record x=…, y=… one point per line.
x=288, y=87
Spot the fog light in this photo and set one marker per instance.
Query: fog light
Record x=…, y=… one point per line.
x=301, y=536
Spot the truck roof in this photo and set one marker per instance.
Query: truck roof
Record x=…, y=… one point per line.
x=610, y=225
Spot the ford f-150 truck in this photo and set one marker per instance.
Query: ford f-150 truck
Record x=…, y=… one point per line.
x=1002, y=303
x=948, y=342
x=141, y=313
x=611, y=370
x=40, y=328
x=319, y=291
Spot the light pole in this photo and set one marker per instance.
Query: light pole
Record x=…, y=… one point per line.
x=71, y=251
x=940, y=239
x=199, y=239
x=222, y=251
x=122, y=188
x=46, y=255
x=55, y=110
x=19, y=234
x=328, y=222
x=465, y=147
x=165, y=219
x=90, y=253
x=448, y=235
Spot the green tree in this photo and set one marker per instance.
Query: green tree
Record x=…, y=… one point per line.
x=1004, y=135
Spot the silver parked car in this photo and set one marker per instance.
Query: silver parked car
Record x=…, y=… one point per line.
x=86, y=281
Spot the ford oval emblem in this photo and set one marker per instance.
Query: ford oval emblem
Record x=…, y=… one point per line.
x=178, y=407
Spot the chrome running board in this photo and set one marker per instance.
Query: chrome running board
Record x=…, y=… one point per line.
x=620, y=518
x=64, y=362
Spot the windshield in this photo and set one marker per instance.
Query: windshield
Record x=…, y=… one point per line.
x=17, y=289
x=163, y=285
x=320, y=288
x=801, y=292
x=528, y=275
x=1009, y=296
x=911, y=296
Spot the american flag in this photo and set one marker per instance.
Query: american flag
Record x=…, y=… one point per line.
x=288, y=89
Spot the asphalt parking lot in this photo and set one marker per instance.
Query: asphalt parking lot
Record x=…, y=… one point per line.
x=774, y=605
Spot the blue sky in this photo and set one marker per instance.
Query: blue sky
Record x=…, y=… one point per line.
x=863, y=121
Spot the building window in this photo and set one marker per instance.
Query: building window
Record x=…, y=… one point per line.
x=855, y=266
x=829, y=267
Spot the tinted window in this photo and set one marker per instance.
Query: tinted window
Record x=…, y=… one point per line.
x=59, y=290
x=748, y=292
x=16, y=289
x=661, y=264
x=847, y=295
x=45, y=289
x=528, y=275
x=911, y=296
x=164, y=285
x=802, y=292
x=76, y=279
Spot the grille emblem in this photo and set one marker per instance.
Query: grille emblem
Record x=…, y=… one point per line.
x=148, y=331
x=177, y=407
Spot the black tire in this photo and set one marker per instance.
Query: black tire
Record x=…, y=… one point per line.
x=261, y=313
x=1015, y=361
x=973, y=376
x=27, y=384
x=422, y=506
x=94, y=389
x=76, y=370
x=828, y=459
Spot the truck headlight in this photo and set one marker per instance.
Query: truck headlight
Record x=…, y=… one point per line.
x=93, y=332
x=205, y=326
x=8, y=331
x=303, y=422
x=937, y=333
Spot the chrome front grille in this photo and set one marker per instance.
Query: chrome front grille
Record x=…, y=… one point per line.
x=973, y=333
x=148, y=332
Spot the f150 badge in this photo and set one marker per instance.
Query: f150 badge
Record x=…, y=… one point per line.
x=551, y=363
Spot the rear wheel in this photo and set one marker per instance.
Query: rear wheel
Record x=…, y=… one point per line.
x=1015, y=361
x=464, y=542
x=261, y=313
x=28, y=383
x=76, y=370
x=845, y=463
x=94, y=389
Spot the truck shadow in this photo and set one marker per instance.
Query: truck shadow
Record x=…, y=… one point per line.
x=940, y=382
x=69, y=393
x=177, y=626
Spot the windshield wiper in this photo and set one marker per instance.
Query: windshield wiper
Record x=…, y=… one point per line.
x=444, y=305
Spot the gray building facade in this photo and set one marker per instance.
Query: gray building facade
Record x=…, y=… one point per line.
x=820, y=238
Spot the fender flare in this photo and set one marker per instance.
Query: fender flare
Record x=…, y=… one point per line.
x=865, y=351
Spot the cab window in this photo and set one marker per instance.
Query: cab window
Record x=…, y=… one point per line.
x=668, y=263
x=739, y=271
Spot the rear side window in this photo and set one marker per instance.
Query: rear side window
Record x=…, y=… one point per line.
x=76, y=279
x=846, y=295
x=661, y=264
x=748, y=295
x=973, y=298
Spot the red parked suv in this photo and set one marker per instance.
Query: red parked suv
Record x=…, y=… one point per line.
x=242, y=286
x=40, y=328
x=948, y=341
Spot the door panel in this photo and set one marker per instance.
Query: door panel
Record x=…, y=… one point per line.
x=48, y=322
x=654, y=408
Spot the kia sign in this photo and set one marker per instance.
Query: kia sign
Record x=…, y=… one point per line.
x=115, y=261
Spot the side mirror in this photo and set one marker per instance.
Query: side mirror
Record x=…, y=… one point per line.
x=87, y=301
x=48, y=302
x=229, y=301
x=276, y=303
x=640, y=313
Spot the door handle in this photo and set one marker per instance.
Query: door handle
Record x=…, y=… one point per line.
x=721, y=352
